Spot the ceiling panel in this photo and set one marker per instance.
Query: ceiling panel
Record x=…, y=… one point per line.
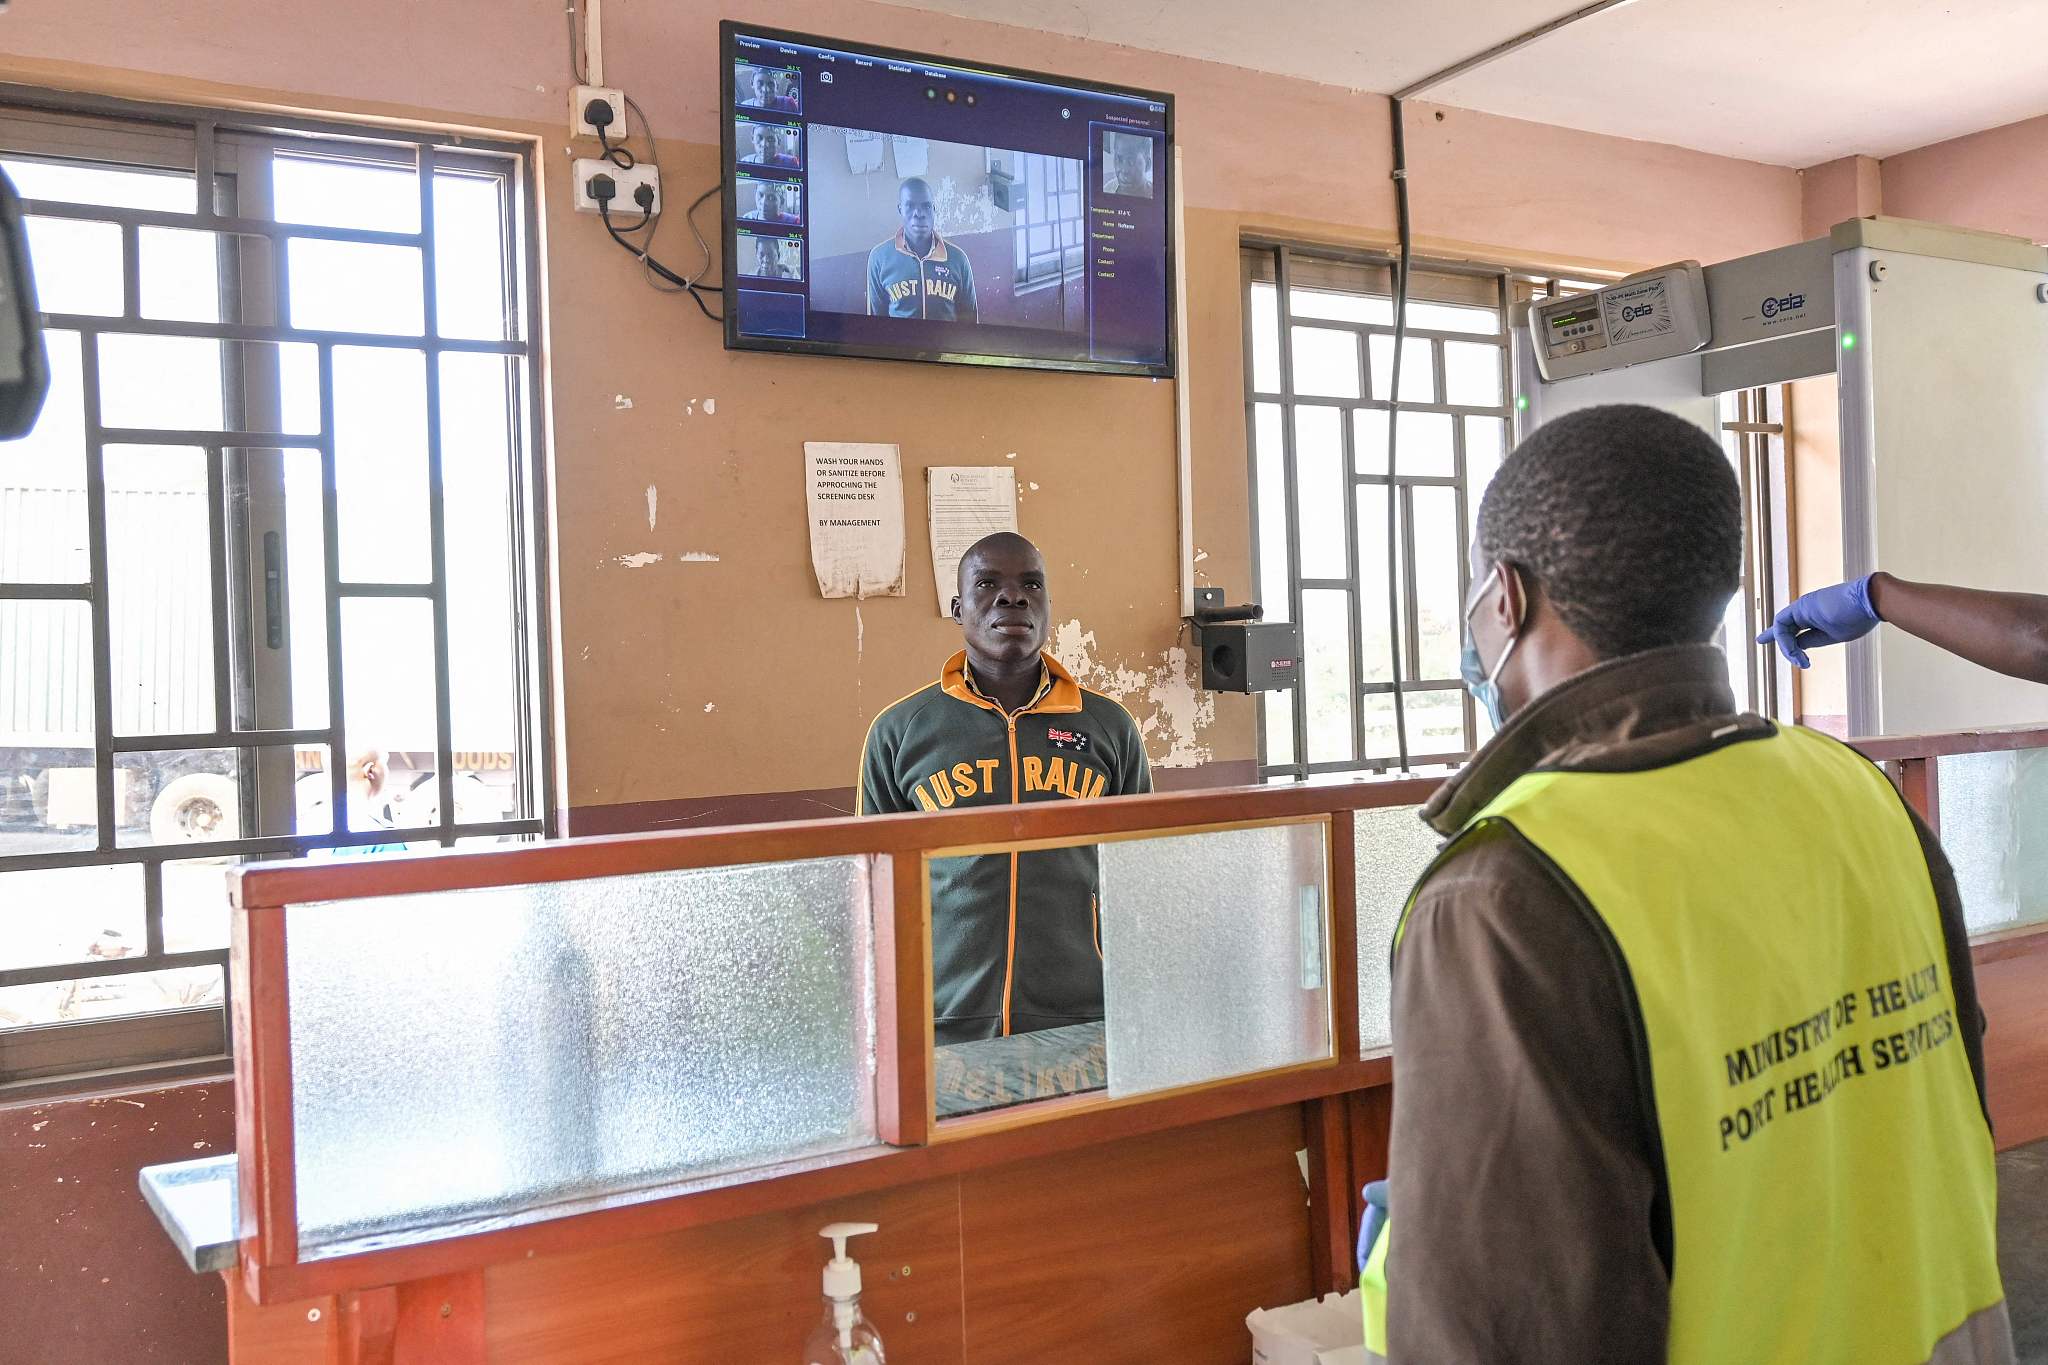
x=1788, y=82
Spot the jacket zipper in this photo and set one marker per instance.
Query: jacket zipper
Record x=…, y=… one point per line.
x=1010, y=958
x=1016, y=795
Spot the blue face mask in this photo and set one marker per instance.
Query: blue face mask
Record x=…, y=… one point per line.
x=1482, y=682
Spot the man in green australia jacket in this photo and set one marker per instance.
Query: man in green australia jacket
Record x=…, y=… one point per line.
x=1016, y=937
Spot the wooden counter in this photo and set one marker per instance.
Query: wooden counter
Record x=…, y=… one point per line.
x=1070, y=1229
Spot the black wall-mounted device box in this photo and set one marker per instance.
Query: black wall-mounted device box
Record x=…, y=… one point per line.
x=1251, y=656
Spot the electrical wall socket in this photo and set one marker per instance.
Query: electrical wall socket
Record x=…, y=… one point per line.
x=624, y=209
x=579, y=100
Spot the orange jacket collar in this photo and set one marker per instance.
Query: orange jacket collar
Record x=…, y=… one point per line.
x=937, y=253
x=1057, y=690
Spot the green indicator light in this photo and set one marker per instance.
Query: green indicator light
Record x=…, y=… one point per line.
x=1521, y=402
x=1848, y=341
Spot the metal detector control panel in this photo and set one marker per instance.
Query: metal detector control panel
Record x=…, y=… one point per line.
x=1651, y=316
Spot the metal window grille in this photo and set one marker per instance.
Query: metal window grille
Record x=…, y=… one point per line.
x=1753, y=428
x=200, y=534
x=1318, y=346
x=1048, y=231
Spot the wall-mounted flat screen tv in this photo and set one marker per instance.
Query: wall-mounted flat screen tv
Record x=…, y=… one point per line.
x=886, y=204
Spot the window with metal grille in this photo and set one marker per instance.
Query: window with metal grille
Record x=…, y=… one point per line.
x=268, y=560
x=1048, y=231
x=1753, y=434
x=1370, y=560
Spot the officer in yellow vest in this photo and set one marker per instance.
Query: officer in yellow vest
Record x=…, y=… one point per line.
x=1687, y=1052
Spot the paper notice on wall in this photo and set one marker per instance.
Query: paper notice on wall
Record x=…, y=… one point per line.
x=863, y=151
x=967, y=503
x=855, y=493
x=913, y=155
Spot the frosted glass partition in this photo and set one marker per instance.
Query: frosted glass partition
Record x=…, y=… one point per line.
x=512, y=1053
x=1391, y=848
x=1215, y=956
x=1994, y=828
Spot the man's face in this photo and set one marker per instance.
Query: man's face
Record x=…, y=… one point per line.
x=764, y=257
x=1130, y=166
x=761, y=143
x=760, y=87
x=1003, y=606
x=915, y=204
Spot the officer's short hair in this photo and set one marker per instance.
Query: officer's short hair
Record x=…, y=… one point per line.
x=1629, y=520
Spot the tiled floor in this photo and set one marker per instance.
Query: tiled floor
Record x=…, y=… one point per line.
x=2023, y=1246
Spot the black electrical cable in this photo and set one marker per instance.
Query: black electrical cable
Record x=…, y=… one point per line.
x=621, y=156
x=605, y=212
x=690, y=217
x=696, y=284
x=1400, y=178
x=618, y=153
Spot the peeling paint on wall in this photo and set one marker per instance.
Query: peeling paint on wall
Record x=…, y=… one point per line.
x=696, y=557
x=637, y=561
x=1171, y=711
x=652, y=498
x=710, y=406
x=621, y=402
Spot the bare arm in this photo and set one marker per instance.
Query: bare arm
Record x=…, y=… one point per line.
x=2003, y=631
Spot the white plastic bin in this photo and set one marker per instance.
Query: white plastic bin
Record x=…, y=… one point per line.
x=1325, y=1331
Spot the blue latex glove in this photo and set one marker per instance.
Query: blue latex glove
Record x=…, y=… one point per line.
x=1825, y=616
x=1375, y=1219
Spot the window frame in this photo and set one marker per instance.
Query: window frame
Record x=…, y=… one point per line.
x=209, y=144
x=1030, y=277
x=1755, y=431
x=1404, y=639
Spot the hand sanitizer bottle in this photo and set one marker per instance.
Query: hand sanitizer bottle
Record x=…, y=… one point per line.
x=844, y=1337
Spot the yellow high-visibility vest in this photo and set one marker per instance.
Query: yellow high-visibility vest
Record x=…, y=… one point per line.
x=1830, y=1168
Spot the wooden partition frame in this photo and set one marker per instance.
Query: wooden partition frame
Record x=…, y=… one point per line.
x=1346, y=1098
x=899, y=848
x=1913, y=763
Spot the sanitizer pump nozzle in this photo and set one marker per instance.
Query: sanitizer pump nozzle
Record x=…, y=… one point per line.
x=845, y=1338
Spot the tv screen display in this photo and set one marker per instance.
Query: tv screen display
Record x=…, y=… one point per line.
x=880, y=203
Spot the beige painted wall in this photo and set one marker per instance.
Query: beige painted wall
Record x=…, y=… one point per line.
x=1835, y=191
x=692, y=677
x=1992, y=180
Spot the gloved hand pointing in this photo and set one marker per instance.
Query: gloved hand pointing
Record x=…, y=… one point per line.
x=1825, y=616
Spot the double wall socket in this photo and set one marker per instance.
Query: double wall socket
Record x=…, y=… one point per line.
x=624, y=208
x=579, y=101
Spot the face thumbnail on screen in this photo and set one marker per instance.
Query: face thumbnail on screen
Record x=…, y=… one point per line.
x=911, y=227
x=771, y=258
x=769, y=201
x=1127, y=165
x=762, y=87
x=767, y=144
